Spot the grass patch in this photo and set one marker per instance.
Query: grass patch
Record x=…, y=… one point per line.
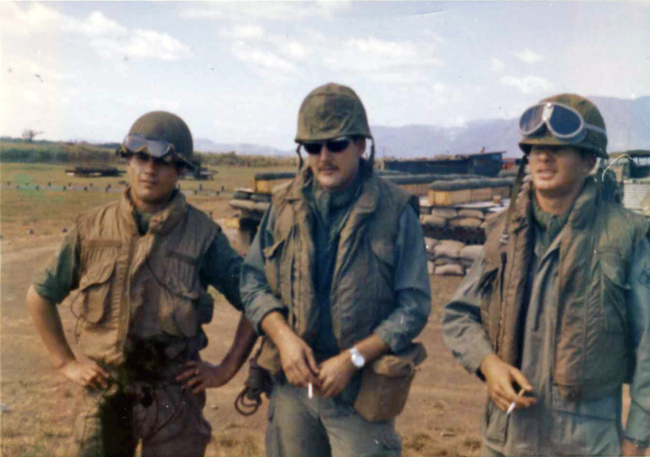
x=418, y=441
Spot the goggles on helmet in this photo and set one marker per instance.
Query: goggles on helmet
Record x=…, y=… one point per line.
x=563, y=122
x=160, y=151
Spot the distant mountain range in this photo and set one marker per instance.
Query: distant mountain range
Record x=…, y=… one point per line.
x=204, y=145
x=627, y=121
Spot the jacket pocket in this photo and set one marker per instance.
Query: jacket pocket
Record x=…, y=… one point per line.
x=613, y=298
x=495, y=424
x=95, y=287
x=600, y=408
x=272, y=259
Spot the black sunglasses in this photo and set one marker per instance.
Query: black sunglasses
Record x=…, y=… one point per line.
x=337, y=145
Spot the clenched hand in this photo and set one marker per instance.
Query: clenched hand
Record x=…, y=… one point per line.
x=499, y=377
x=86, y=373
x=335, y=374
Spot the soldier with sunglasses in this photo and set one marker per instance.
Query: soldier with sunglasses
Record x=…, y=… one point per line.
x=336, y=276
x=555, y=315
x=142, y=266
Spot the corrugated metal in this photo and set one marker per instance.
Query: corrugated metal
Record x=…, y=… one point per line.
x=634, y=193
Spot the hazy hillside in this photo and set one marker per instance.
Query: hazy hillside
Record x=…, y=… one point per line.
x=205, y=145
x=627, y=121
x=628, y=125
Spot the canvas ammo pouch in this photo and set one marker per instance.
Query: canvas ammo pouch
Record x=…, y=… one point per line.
x=386, y=382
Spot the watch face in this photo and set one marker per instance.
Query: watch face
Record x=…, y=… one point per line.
x=358, y=360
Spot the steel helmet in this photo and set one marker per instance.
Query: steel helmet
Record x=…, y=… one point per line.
x=331, y=111
x=158, y=129
x=564, y=120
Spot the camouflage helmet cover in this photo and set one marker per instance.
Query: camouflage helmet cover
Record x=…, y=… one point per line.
x=594, y=142
x=162, y=125
x=331, y=111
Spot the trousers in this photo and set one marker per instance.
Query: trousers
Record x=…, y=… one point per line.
x=168, y=420
x=319, y=427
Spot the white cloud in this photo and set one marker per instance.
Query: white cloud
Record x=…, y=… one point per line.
x=528, y=56
x=528, y=84
x=373, y=54
x=38, y=18
x=142, y=44
x=496, y=64
x=96, y=24
x=243, y=32
x=109, y=38
x=265, y=10
x=261, y=59
x=294, y=50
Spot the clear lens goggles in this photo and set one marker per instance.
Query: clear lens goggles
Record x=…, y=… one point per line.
x=335, y=146
x=562, y=121
x=136, y=143
x=160, y=151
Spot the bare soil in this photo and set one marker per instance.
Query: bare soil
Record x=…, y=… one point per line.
x=38, y=405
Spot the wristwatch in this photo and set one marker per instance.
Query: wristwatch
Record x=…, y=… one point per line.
x=358, y=360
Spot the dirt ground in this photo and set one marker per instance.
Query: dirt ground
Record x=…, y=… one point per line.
x=38, y=405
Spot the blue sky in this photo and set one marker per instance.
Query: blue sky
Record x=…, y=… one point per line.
x=238, y=71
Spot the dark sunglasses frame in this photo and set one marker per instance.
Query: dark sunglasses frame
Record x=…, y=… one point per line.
x=334, y=146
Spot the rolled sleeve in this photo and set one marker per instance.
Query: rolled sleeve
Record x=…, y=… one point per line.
x=638, y=421
x=256, y=294
x=461, y=322
x=61, y=275
x=412, y=286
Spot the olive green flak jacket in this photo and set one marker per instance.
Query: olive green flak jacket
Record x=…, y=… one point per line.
x=593, y=354
x=362, y=293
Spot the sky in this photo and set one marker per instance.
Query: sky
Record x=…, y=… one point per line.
x=237, y=72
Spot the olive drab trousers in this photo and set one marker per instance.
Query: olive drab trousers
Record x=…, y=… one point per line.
x=167, y=419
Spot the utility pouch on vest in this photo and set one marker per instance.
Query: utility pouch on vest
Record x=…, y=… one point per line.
x=385, y=384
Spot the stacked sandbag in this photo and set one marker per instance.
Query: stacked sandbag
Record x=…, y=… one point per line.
x=469, y=254
x=446, y=258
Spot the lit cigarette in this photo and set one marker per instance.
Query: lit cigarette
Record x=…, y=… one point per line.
x=310, y=391
x=512, y=406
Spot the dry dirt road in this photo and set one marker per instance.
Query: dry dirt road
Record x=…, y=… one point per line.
x=38, y=405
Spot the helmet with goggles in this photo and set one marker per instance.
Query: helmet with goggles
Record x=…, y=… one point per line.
x=564, y=120
x=162, y=135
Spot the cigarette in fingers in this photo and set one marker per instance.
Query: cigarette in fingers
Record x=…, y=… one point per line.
x=512, y=406
x=310, y=391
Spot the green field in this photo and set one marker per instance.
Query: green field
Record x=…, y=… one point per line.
x=49, y=209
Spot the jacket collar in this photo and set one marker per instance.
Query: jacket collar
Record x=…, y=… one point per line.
x=163, y=221
x=583, y=211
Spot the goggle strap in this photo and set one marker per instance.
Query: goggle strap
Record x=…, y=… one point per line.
x=505, y=234
x=300, y=161
x=595, y=129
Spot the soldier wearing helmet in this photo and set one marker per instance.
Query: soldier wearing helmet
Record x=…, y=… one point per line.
x=335, y=278
x=555, y=314
x=142, y=266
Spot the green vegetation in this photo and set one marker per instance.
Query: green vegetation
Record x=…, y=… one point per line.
x=21, y=151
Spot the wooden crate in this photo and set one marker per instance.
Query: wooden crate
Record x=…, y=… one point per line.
x=449, y=197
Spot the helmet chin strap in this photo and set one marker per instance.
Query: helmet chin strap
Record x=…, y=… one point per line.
x=300, y=161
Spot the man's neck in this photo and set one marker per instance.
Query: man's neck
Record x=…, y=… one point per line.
x=149, y=207
x=557, y=204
